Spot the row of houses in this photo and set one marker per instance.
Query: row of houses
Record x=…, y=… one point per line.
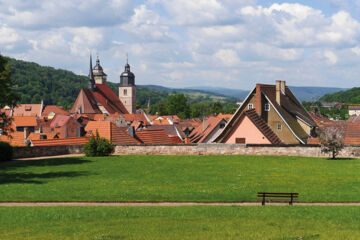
x=270, y=114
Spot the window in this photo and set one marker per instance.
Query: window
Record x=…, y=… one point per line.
x=250, y=106
x=125, y=92
x=222, y=125
x=240, y=140
x=279, y=127
x=267, y=107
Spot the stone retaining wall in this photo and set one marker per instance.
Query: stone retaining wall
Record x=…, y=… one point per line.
x=28, y=152
x=192, y=149
x=232, y=149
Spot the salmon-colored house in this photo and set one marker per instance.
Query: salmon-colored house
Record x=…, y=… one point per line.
x=270, y=114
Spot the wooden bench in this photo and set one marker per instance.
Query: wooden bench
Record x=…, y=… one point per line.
x=277, y=197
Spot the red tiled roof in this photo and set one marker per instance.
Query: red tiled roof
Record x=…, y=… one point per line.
x=136, y=117
x=54, y=109
x=153, y=136
x=320, y=120
x=99, y=117
x=200, y=133
x=60, y=141
x=27, y=110
x=59, y=121
x=109, y=99
x=25, y=121
x=262, y=126
x=109, y=131
x=36, y=136
x=14, y=138
x=176, y=139
x=225, y=116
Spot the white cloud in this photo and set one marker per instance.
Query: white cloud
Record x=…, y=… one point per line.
x=331, y=57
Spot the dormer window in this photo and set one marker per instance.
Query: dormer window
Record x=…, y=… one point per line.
x=267, y=107
x=250, y=106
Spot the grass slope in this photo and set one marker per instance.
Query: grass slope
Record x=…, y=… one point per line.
x=269, y=222
x=179, y=178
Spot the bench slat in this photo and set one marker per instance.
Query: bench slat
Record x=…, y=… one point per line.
x=277, y=193
x=276, y=200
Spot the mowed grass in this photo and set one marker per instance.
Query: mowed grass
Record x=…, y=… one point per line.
x=205, y=222
x=179, y=178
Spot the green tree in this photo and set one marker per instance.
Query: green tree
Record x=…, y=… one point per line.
x=177, y=105
x=7, y=96
x=217, y=108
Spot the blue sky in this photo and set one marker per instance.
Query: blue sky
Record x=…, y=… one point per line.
x=184, y=43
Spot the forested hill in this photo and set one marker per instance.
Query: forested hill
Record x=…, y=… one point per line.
x=348, y=96
x=61, y=87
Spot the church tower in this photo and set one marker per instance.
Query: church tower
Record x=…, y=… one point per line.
x=127, y=89
x=99, y=75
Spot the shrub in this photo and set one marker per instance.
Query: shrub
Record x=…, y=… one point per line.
x=98, y=146
x=6, y=151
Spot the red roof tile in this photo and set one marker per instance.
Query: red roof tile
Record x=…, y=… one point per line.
x=153, y=136
x=14, y=138
x=109, y=99
x=54, y=109
x=201, y=132
x=27, y=110
x=25, y=121
x=109, y=131
x=136, y=117
x=59, y=121
x=60, y=141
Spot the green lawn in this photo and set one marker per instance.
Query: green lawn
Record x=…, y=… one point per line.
x=267, y=222
x=179, y=178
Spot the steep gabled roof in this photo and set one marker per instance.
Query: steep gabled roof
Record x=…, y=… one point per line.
x=262, y=126
x=88, y=102
x=109, y=99
x=290, y=110
x=201, y=132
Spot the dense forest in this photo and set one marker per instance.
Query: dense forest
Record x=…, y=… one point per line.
x=349, y=96
x=61, y=87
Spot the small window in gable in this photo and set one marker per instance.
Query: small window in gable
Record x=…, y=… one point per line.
x=250, y=106
x=279, y=127
x=240, y=140
x=267, y=107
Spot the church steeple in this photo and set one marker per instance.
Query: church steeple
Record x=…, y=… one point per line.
x=91, y=84
x=127, y=89
x=99, y=75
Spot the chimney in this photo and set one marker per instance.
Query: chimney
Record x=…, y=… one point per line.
x=282, y=87
x=131, y=131
x=278, y=91
x=258, y=104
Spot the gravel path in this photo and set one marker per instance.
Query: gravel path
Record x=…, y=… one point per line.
x=169, y=204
